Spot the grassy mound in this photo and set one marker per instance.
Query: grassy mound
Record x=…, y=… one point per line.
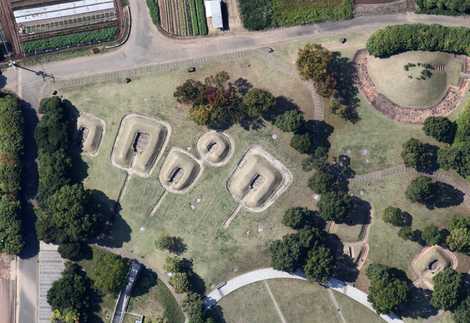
x=410, y=85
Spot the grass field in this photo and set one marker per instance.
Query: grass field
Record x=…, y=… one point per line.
x=394, y=81
x=218, y=253
x=299, y=302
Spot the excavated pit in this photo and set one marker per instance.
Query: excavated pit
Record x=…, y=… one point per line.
x=215, y=148
x=180, y=171
x=91, y=131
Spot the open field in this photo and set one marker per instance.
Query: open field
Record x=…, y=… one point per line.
x=299, y=302
x=404, y=87
x=218, y=253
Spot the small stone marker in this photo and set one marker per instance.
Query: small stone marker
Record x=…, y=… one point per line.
x=274, y=136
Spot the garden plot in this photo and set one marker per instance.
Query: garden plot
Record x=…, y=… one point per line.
x=180, y=171
x=215, y=148
x=258, y=180
x=92, y=130
x=139, y=144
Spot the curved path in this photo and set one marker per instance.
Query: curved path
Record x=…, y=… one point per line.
x=269, y=273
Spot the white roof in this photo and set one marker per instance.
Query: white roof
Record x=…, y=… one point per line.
x=62, y=10
x=214, y=11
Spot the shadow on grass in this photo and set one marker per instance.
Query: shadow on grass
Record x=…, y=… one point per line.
x=446, y=196
x=419, y=305
x=359, y=213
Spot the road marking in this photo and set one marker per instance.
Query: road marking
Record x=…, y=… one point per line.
x=335, y=303
x=276, y=305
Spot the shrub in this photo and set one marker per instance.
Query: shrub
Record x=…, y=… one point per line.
x=174, y=264
x=440, y=128
x=172, y=244
x=397, y=39
x=407, y=233
x=396, y=217
x=180, y=282
x=459, y=236
x=432, y=235
x=290, y=121
x=154, y=11
x=334, y=206
x=421, y=190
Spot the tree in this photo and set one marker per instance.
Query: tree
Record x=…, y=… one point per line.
x=175, y=264
x=65, y=218
x=387, y=289
x=69, y=316
x=396, y=217
x=462, y=313
x=314, y=63
x=456, y=157
x=286, y=254
x=300, y=217
x=320, y=265
x=257, y=102
x=325, y=181
x=72, y=292
x=418, y=155
x=201, y=114
x=448, y=289
x=193, y=306
x=290, y=121
x=11, y=239
x=189, y=92
x=459, y=236
x=440, y=128
x=74, y=251
x=303, y=143
x=421, y=190
x=432, y=235
x=334, y=206
x=407, y=233
x=172, y=244
x=109, y=273
x=180, y=282
x=54, y=172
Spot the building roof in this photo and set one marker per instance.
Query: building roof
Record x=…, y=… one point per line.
x=62, y=10
x=214, y=11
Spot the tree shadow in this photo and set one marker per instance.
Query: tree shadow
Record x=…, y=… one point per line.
x=252, y=123
x=243, y=85
x=359, y=213
x=120, y=233
x=345, y=268
x=346, y=91
x=281, y=106
x=147, y=279
x=217, y=313
x=3, y=80
x=314, y=220
x=225, y=15
x=419, y=305
x=446, y=196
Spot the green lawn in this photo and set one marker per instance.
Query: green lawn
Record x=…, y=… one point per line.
x=394, y=81
x=299, y=302
x=218, y=254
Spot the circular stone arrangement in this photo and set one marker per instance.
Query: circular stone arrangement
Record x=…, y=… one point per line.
x=215, y=148
x=451, y=97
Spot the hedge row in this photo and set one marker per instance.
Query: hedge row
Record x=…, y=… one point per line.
x=444, y=7
x=71, y=40
x=393, y=40
x=262, y=14
x=11, y=152
x=154, y=11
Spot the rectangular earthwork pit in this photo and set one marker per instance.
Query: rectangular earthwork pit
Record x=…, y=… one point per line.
x=91, y=129
x=139, y=144
x=258, y=180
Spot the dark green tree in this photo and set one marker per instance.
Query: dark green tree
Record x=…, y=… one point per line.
x=440, y=128
x=462, y=312
x=421, y=190
x=303, y=143
x=11, y=240
x=448, y=289
x=170, y=243
x=286, y=254
x=290, y=121
x=74, y=251
x=320, y=264
x=109, y=273
x=257, y=102
x=420, y=156
x=459, y=236
x=432, y=235
x=181, y=282
x=300, y=217
x=396, y=217
x=334, y=206
x=326, y=181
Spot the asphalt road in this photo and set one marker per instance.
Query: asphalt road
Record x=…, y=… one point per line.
x=5, y=301
x=28, y=288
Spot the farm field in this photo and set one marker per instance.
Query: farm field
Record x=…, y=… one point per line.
x=298, y=301
x=181, y=17
x=263, y=14
x=406, y=88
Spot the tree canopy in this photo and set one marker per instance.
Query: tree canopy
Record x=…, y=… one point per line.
x=440, y=128
x=396, y=217
x=421, y=190
x=420, y=156
x=109, y=271
x=320, y=264
x=447, y=291
x=334, y=206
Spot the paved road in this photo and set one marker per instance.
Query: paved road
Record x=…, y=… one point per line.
x=269, y=273
x=28, y=289
x=6, y=314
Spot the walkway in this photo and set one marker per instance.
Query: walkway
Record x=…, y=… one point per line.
x=269, y=273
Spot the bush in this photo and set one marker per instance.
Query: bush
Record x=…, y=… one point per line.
x=180, y=282
x=256, y=14
x=448, y=289
x=407, y=233
x=172, y=244
x=70, y=40
x=421, y=190
x=397, y=39
x=396, y=217
x=290, y=121
x=440, y=128
x=302, y=143
x=443, y=7
x=154, y=11
x=459, y=236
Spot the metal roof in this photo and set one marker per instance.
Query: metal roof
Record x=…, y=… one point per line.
x=214, y=11
x=62, y=10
